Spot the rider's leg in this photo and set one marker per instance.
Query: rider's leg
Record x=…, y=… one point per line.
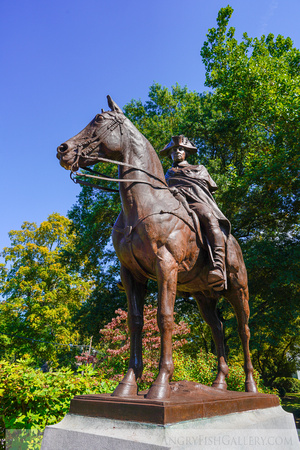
x=216, y=276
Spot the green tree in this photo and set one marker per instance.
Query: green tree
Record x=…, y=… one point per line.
x=257, y=95
x=40, y=294
x=166, y=113
x=256, y=87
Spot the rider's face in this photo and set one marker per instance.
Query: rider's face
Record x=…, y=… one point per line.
x=178, y=154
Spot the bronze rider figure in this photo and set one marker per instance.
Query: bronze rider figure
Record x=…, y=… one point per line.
x=197, y=186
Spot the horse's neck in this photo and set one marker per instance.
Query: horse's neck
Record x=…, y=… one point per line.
x=141, y=154
x=140, y=199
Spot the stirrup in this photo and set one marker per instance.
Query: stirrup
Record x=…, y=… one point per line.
x=216, y=279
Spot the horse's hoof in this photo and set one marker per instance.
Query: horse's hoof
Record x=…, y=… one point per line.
x=125, y=390
x=250, y=386
x=159, y=391
x=221, y=386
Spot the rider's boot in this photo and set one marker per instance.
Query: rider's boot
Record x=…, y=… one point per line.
x=216, y=276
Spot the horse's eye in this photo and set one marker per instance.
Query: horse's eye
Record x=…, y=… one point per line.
x=98, y=118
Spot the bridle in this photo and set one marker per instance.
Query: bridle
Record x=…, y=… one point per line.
x=116, y=121
x=76, y=176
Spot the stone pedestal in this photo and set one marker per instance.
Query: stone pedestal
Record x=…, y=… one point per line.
x=195, y=417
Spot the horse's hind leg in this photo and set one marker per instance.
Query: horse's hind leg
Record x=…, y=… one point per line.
x=207, y=307
x=238, y=296
x=135, y=292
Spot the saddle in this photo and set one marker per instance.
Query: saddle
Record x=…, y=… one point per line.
x=201, y=236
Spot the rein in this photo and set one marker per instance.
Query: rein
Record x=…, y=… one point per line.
x=100, y=176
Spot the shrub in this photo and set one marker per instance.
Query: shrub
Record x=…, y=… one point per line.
x=116, y=341
x=203, y=369
x=287, y=384
x=31, y=399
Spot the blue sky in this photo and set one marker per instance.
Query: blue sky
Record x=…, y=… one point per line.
x=59, y=60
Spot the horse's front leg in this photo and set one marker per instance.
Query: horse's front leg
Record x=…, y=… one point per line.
x=166, y=272
x=135, y=292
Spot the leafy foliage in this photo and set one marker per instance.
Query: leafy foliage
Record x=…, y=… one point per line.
x=31, y=399
x=202, y=368
x=256, y=93
x=165, y=114
x=40, y=294
x=287, y=385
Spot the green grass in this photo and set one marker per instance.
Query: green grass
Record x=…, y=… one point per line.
x=291, y=404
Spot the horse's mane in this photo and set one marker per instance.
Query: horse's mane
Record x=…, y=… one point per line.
x=140, y=141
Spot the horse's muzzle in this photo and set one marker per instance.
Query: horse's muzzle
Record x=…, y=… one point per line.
x=62, y=149
x=61, y=155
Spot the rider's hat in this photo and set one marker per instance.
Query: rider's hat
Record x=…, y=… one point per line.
x=178, y=141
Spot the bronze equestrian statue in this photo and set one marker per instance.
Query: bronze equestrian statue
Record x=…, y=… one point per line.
x=155, y=237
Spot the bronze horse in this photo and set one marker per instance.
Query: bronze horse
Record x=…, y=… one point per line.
x=154, y=238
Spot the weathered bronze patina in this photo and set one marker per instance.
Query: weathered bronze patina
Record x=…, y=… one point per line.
x=155, y=238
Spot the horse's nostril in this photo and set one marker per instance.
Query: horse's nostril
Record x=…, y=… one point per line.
x=62, y=148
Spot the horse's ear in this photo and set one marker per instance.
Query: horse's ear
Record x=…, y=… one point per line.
x=113, y=106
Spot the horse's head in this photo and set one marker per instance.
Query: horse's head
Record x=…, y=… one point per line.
x=102, y=137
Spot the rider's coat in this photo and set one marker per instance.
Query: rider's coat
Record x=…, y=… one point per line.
x=195, y=183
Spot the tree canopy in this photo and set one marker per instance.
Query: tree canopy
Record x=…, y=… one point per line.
x=257, y=96
x=40, y=294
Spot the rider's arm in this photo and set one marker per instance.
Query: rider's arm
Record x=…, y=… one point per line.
x=212, y=186
x=205, y=176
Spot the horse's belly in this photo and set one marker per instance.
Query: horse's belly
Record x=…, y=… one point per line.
x=194, y=280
